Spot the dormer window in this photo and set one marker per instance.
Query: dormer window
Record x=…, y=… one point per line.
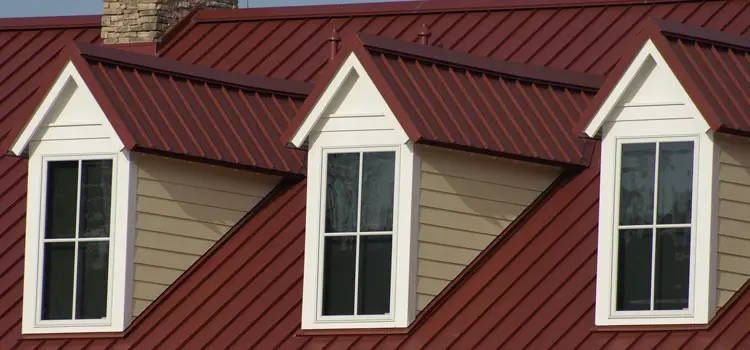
x=658, y=201
x=362, y=208
x=654, y=220
x=358, y=232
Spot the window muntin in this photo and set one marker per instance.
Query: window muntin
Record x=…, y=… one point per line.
x=76, y=240
x=358, y=230
x=653, y=252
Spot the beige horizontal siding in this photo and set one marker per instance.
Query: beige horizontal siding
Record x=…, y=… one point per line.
x=466, y=200
x=182, y=209
x=734, y=223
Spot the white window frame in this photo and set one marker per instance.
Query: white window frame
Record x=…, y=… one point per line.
x=42, y=240
x=404, y=238
x=320, y=318
x=120, y=250
x=701, y=305
x=616, y=230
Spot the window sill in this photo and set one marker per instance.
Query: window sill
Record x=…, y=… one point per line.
x=652, y=328
x=85, y=335
x=350, y=331
x=71, y=331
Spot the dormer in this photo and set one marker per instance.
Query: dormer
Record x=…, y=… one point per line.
x=665, y=215
x=359, y=261
x=134, y=173
x=412, y=171
x=79, y=219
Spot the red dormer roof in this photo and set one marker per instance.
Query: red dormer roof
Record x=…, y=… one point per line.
x=468, y=102
x=175, y=109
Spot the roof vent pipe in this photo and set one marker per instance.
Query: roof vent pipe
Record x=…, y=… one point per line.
x=424, y=35
x=333, y=43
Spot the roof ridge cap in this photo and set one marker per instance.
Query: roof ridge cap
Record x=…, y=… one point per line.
x=510, y=69
x=51, y=22
x=403, y=7
x=702, y=34
x=193, y=71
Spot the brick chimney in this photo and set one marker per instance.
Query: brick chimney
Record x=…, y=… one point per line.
x=138, y=21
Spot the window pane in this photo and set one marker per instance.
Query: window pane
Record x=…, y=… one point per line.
x=634, y=270
x=91, y=289
x=672, y=285
x=378, y=174
x=342, y=192
x=374, y=275
x=57, y=284
x=338, y=275
x=62, y=193
x=637, y=183
x=96, y=198
x=674, y=204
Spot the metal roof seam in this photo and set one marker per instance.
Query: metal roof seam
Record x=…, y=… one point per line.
x=177, y=114
x=194, y=72
x=476, y=63
x=159, y=110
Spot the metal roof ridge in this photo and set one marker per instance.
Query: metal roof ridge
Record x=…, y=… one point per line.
x=705, y=35
x=515, y=70
x=218, y=76
x=401, y=7
x=27, y=23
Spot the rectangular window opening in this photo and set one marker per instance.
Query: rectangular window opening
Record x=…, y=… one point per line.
x=654, y=226
x=76, y=240
x=358, y=233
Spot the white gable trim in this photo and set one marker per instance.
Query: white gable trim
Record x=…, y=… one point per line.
x=68, y=82
x=648, y=53
x=350, y=69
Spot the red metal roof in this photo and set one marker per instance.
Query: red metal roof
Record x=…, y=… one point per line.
x=712, y=66
x=582, y=36
x=533, y=288
x=176, y=109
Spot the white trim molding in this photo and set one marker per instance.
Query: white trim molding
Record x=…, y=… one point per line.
x=70, y=125
x=351, y=116
x=648, y=105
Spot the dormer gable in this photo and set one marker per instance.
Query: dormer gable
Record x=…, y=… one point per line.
x=350, y=102
x=68, y=116
x=647, y=90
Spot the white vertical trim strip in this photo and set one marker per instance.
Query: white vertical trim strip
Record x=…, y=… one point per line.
x=76, y=235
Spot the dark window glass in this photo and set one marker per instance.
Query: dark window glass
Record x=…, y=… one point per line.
x=338, y=275
x=672, y=287
x=96, y=198
x=374, y=275
x=91, y=290
x=634, y=270
x=378, y=175
x=62, y=193
x=57, y=281
x=637, y=183
x=675, y=198
x=342, y=192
